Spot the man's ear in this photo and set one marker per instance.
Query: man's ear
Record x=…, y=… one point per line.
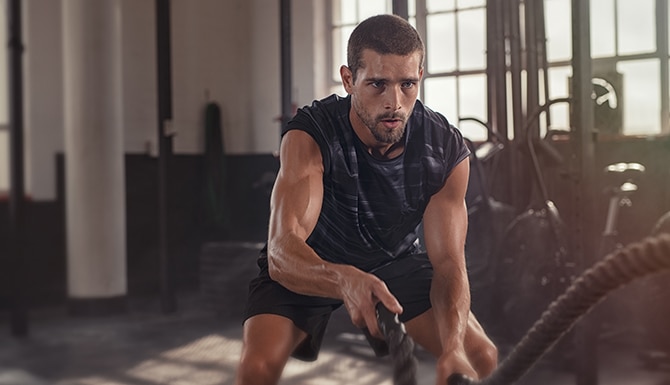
x=347, y=78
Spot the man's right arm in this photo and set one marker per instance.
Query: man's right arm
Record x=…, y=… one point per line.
x=294, y=210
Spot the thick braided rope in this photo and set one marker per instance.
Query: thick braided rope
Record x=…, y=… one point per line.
x=619, y=268
x=401, y=347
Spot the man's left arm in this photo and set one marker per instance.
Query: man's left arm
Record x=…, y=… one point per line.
x=445, y=227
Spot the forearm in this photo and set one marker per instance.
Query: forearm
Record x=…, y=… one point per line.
x=445, y=227
x=297, y=267
x=450, y=298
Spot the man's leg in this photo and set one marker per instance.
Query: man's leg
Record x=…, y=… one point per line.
x=269, y=340
x=481, y=351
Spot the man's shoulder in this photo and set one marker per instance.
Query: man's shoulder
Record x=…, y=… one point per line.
x=432, y=123
x=433, y=126
x=322, y=114
x=324, y=120
x=429, y=116
x=331, y=104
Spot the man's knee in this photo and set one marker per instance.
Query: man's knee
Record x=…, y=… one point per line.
x=268, y=343
x=259, y=370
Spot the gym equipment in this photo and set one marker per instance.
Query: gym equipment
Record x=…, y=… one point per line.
x=656, y=317
x=533, y=264
x=487, y=220
x=620, y=180
x=621, y=184
x=662, y=225
x=400, y=346
x=214, y=187
x=637, y=260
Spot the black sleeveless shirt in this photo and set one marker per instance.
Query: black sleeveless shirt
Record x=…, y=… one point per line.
x=372, y=208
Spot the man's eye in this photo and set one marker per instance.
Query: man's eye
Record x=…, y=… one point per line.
x=377, y=84
x=408, y=84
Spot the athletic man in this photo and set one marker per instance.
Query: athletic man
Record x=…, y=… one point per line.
x=357, y=177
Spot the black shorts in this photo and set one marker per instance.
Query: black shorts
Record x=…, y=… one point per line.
x=408, y=278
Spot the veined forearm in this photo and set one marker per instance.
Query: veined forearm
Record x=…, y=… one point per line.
x=296, y=266
x=450, y=298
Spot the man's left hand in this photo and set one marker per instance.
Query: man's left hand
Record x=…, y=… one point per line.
x=453, y=362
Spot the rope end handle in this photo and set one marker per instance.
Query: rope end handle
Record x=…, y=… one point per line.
x=394, y=330
x=459, y=379
x=388, y=321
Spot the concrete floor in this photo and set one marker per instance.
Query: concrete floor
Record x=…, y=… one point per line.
x=198, y=346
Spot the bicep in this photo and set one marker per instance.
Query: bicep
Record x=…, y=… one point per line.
x=445, y=219
x=298, y=191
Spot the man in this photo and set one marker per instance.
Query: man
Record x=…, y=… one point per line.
x=357, y=177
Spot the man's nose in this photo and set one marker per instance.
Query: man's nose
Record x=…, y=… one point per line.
x=393, y=98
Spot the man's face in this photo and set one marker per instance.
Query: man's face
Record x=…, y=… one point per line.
x=384, y=93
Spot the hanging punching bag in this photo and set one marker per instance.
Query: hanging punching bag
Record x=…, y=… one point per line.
x=214, y=186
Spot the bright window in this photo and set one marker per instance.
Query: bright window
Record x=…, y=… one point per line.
x=557, y=26
x=455, y=75
x=603, y=28
x=641, y=84
x=345, y=15
x=441, y=52
x=628, y=61
x=636, y=22
x=626, y=64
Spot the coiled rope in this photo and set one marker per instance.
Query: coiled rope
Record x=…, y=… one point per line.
x=637, y=260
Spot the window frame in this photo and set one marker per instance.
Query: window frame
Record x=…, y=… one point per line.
x=661, y=54
x=419, y=14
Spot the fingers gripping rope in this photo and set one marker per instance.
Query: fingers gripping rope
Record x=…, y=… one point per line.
x=651, y=255
x=401, y=346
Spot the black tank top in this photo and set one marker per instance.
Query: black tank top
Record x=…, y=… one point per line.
x=372, y=208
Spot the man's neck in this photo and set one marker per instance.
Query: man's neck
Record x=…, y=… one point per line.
x=387, y=151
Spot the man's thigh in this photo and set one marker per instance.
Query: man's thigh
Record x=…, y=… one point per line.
x=424, y=331
x=270, y=337
x=409, y=280
x=308, y=314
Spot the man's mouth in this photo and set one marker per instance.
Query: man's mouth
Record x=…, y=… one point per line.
x=391, y=123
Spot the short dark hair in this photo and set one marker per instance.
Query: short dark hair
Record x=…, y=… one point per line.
x=384, y=34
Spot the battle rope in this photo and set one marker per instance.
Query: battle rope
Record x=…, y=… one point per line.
x=400, y=346
x=617, y=269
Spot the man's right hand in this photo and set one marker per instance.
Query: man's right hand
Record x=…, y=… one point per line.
x=360, y=293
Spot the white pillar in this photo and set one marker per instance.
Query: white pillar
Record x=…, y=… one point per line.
x=94, y=156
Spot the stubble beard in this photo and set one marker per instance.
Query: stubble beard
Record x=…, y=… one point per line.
x=376, y=127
